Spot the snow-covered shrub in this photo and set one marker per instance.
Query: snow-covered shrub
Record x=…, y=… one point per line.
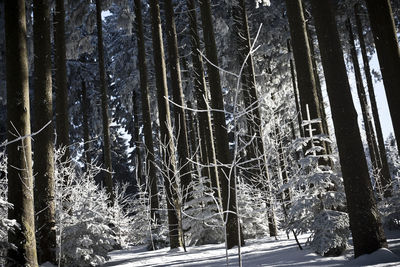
x=88, y=226
x=330, y=233
x=253, y=211
x=390, y=211
x=202, y=221
x=5, y=224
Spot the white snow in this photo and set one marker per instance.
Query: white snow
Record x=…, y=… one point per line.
x=257, y=252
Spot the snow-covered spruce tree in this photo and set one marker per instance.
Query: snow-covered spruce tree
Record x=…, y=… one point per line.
x=317, y=198
x=87, y=227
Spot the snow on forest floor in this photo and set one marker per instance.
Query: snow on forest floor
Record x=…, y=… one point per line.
x=257, y=252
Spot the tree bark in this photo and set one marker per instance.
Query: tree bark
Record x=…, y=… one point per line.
x=167, y=141
x=61, y=89
x=184, y=165
x=365, y=223
x=223, y=155
x=43, y=146
x=207, y=145
x=387, y=47
x=369, y=130
x=367, y=70
x=151, y=171
x=19, y=165
x=108, y=182
x=136, y=140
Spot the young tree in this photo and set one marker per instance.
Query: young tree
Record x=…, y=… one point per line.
x=85, y=122
x=19, y=165
x=387, y=47
x=147, y=129
x=179, y=113
x=43, y=146
x=371, y=92
x=365, y=223
x=223, y=155
x=167, y=141
x=104, y=106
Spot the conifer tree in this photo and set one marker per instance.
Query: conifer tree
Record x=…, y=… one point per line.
x=167, y=141
x=365, y=223
x=104, y=106
x=19, y=165
x=146, y=114
x=43, y=145
x=387, y=48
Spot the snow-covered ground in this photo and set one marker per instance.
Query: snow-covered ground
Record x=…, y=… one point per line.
x=257, y=252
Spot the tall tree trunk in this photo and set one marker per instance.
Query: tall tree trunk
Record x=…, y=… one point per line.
x=295, y=91
x=365, y=223
x=61, y=89
x=167, y=141
x=136, y=139
x=85, y=123
x=19, y=165
x=207, y=146
x=227, y=179
x=367, y=70
x=104, y=107
x=369, y=130
x=184, y=165
x=43, y=146
x=387, y=47
x=303, y=63
x=256, y=148
x=151, y=171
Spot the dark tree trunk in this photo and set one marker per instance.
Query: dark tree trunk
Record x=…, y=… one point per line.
x=43, y=145
x=227, y=179
x=256, y=155
x=303, y=63
x=61, y=89
x=167, y=141
x=207, y=147
x=369, y=130
x=19, y=165
x=104, y=107
x=365, y=223
x=387, y=47
x=85, y=103
x=184, y=165
x=367, y=70
x=137, y=160
x=295, y=91
x=151, y=170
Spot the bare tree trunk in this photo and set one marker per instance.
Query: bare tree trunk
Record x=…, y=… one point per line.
x=369, y=130
x=227, y=179
x=170, y=182
x=104, y=107
x=136, y=139
x=147, y=128
x=43, y=146
x=367, y=70
x=387, y=47
x=207, y=146
x=61, y=89
x=184, y=165
x=365, y=223
x=19, y=165
x=256, y=152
